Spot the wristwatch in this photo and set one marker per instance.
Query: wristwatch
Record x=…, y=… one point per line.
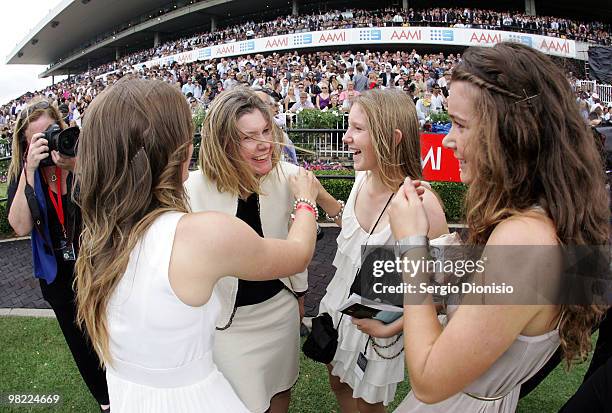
x=414, y=241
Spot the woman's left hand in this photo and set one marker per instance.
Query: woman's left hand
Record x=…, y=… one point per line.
x=63, y=162
x=406, y=212
x=374, y=328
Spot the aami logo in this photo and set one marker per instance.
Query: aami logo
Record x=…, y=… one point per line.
x=406, y=35
x=434, y=158
x=277, y=42
x=368, y=35
x=332, y=37
x=225, y=49
x=439, y=35
x=485, y=38
x=526, y=40
x=555, y=46
x=301, y=39
x=204, y=53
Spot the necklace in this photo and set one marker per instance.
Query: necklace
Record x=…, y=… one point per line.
x=53, y=177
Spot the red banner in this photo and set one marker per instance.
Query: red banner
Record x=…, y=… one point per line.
x=439, y=163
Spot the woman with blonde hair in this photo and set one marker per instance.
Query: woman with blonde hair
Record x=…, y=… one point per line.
x=383, y=134
x=536, y=188
x=147, y=270
x=240, y=173
x=39, y=202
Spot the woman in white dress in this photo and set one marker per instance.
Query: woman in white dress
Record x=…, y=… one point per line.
x=148, y=267
x=383, y=135
x=536, y=184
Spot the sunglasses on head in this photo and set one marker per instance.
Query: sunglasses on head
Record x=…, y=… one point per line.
x=29, y=109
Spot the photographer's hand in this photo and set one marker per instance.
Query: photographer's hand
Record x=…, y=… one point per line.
x=37, y=151
x=65, y=163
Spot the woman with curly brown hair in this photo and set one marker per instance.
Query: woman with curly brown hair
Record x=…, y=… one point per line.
x=535, y=180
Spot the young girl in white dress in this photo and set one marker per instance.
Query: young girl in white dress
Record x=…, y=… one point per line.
x=384, y=138
x=147, y=267
x=536, y=184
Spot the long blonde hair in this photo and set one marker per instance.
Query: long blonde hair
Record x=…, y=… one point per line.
x=220, y=158
x=387, y=110
x=131, y=155
x=35, y=109
x=533, y=148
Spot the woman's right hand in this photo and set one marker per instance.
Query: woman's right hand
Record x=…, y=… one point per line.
x=304, y=185
x=37, y=151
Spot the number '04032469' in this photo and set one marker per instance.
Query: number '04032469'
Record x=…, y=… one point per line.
x=24, y=398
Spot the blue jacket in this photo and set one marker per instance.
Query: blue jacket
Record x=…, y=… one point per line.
x=43, y=257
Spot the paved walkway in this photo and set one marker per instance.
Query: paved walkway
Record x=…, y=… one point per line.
x=19, y=289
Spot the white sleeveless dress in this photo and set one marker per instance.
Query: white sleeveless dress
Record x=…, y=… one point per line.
x=382, y=375
x=502, y=382
x=161, y=347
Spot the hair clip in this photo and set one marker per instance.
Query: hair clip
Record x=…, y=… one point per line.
x=141, y=150
x=527, y=98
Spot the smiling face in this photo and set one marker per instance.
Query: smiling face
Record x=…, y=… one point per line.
x=256, y=142
x=359, y=141
x=462, y=111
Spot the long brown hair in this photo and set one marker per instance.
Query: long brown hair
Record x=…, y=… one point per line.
x=220, y=158
x=35, y=109
x=532, y=147
x=132, y=150
x=387, y=110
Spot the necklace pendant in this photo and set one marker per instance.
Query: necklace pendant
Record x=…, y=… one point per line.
x=53, y=177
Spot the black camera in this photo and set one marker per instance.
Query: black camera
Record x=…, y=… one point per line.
x=64, y=141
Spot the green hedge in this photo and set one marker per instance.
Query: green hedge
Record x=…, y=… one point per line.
x=451, y=193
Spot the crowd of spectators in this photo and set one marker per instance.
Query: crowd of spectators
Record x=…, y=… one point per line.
x=594, y=32
x=322, y=80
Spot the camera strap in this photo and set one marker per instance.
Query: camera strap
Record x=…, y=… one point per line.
x=57, y=203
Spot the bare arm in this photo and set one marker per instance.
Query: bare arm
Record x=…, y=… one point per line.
x=211, y=245
x=329, y=204
x=19, y=215
x=443, y=362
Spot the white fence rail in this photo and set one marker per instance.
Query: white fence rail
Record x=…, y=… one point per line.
x=590, y=86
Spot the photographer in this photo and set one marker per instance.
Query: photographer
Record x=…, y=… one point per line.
x=40, y=202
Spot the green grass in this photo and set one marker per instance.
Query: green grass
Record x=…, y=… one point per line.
x=35, y=359
x=3, y=187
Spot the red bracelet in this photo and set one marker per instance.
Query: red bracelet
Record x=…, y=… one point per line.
x=304, y=205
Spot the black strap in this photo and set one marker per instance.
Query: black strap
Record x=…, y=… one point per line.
x=379, y=217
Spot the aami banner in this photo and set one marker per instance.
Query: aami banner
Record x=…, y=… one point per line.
x=439, y=163
x=374, y=35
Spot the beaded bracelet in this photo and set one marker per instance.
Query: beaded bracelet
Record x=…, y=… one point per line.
x=307, y=202
x=338, y=215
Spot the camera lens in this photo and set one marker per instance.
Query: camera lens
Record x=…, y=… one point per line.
x=67, y=141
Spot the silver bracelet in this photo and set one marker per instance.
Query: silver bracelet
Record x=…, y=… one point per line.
x=306, y=201
x=338, y=215
x=414, y=241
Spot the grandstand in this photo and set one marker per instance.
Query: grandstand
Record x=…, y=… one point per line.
x=90, y=40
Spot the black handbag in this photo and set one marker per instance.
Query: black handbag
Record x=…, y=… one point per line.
x=321, y=343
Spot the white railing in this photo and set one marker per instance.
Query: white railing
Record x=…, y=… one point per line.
x=590, y=86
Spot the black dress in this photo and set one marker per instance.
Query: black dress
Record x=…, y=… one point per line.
x=254, y=292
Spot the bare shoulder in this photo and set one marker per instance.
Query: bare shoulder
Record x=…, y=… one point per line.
x=530, y=228
x=202, y=226
x=435, y=213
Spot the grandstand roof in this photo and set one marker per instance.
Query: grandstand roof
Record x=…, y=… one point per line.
x=75, y=23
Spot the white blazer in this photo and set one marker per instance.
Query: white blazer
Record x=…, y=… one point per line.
x=275, y=202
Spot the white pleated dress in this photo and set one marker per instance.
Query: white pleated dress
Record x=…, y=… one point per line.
x=382, y=375
x=501, y=382
x=161, y=347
